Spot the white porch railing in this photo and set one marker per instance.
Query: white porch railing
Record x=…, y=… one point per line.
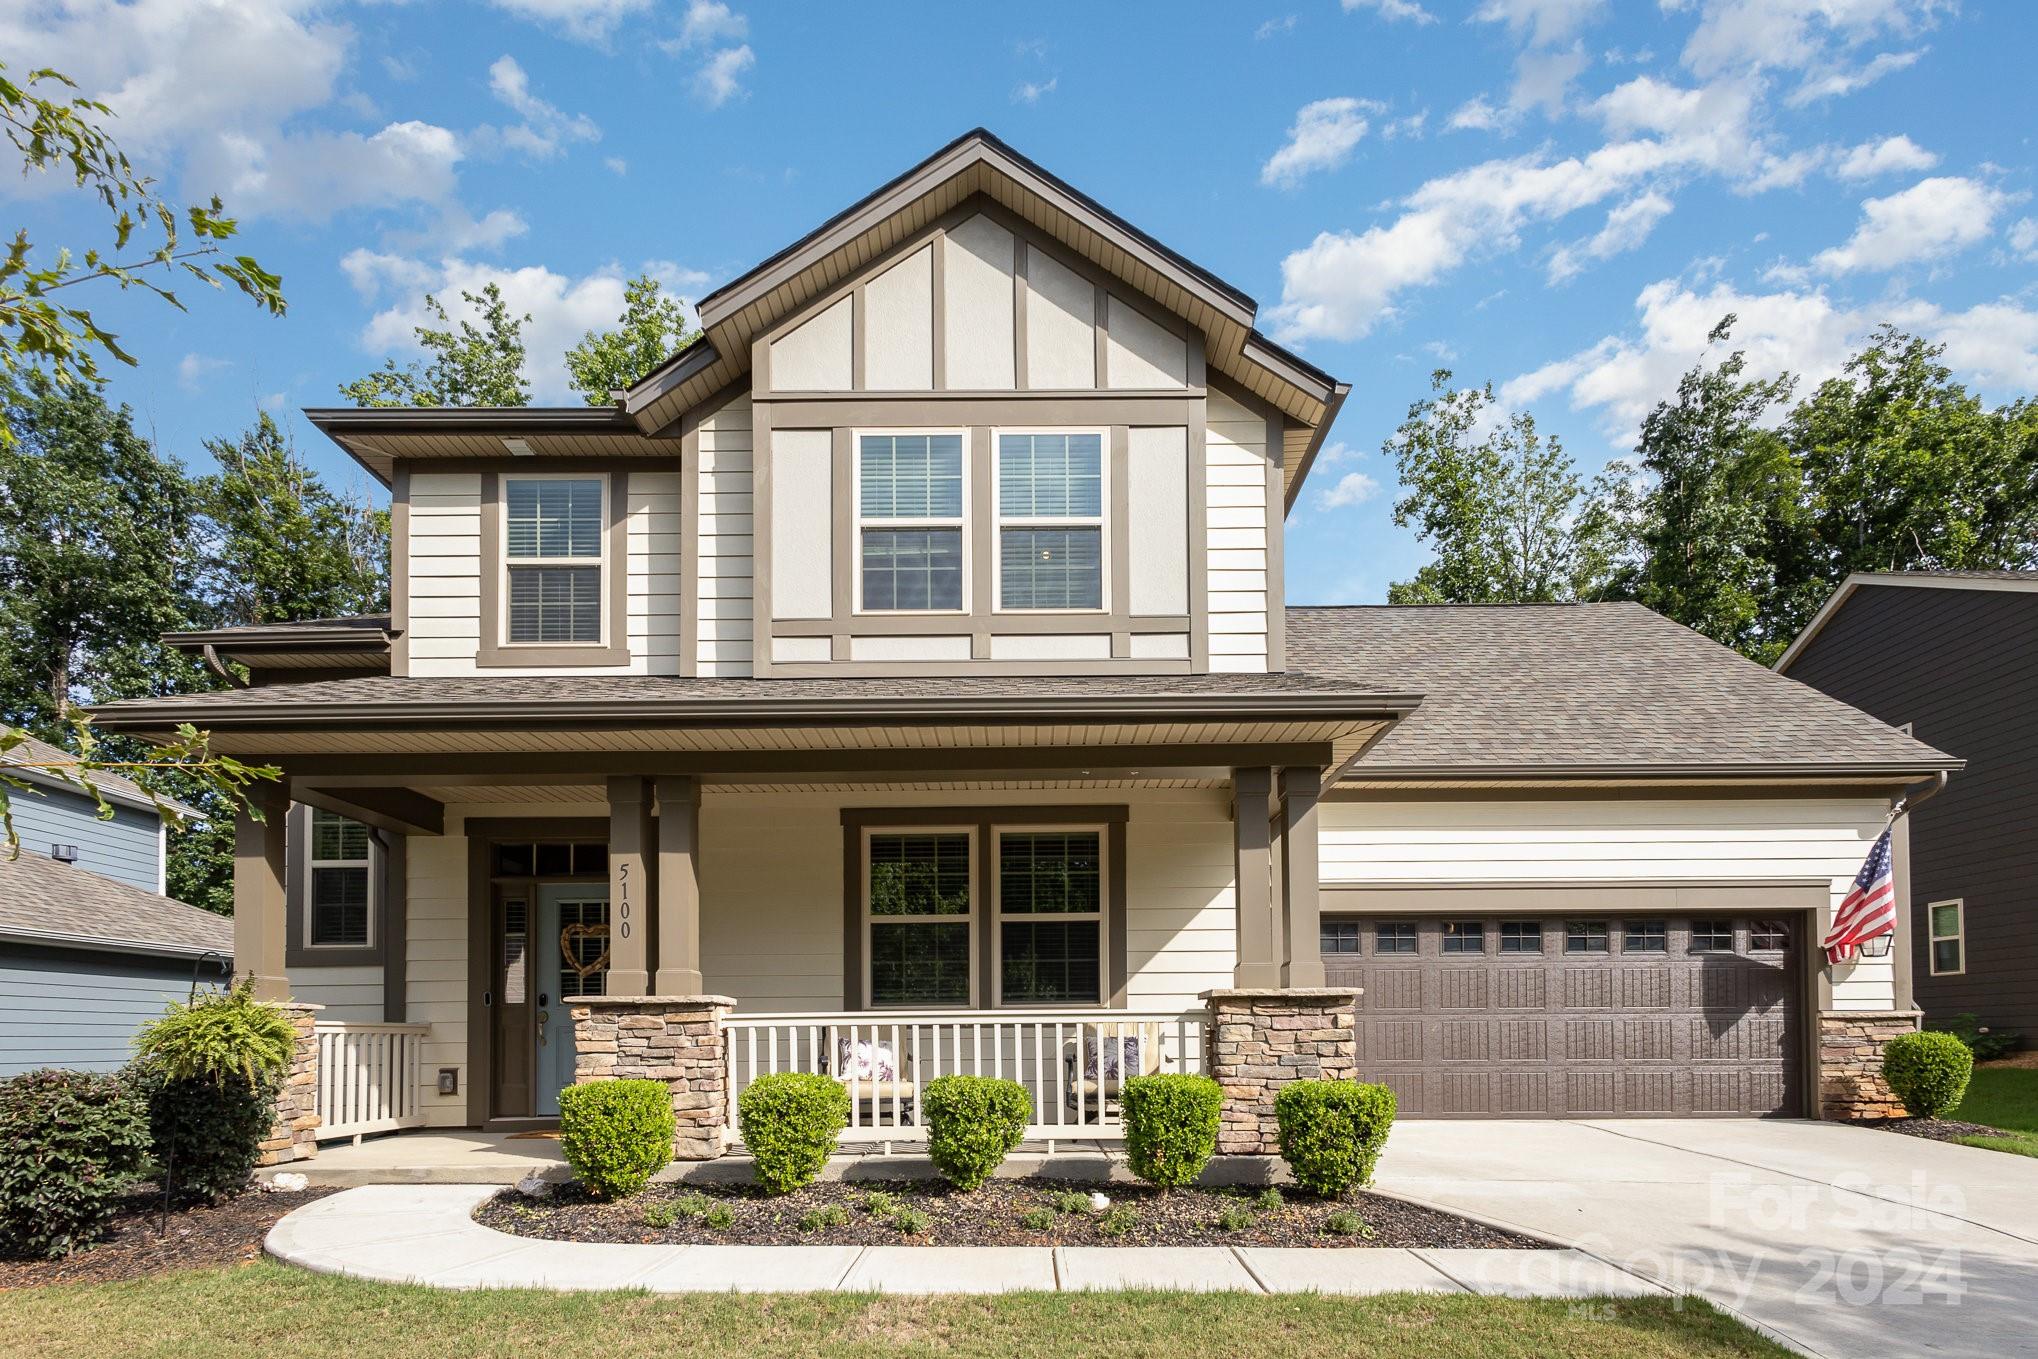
x=1062, y=1057
x=368, y=1078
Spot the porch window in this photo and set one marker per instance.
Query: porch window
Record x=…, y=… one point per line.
x=552, y=544
x=1948, y=923
x=918, y=914
x=1050, y=908
x=909, y=502
x=338, y=899
x=1051, y=521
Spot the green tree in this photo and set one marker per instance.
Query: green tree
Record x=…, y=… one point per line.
x=469, y=365
x=1709, y=498
x=652, y=328
x=40, y=324
x=1500, y=504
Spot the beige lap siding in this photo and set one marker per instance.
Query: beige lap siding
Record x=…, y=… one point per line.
x=351, y=995
x=435, y=974
x=1236, y=568
x=1720, y=840
x=723, y=581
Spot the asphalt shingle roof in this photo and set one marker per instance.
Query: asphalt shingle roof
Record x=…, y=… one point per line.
x=41, y=897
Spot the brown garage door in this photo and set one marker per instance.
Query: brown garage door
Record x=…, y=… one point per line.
x=1539, y=1016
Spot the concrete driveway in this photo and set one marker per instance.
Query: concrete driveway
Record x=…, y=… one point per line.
x=1842, y=1242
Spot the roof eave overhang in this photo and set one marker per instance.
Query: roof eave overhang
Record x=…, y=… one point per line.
x=1861, y=771
x=95, y=944
x=42, y=778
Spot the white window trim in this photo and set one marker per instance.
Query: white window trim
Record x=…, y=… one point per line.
x=602, y=583
x=858, y=523
x=313, y=863
x=869, y=958
x=1103, y=834
x=1101, y=521
x=1933, y=938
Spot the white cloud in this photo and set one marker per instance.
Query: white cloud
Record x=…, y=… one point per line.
x=1931, y=219
x=2024, y=237
x=1476, y=115
x=194, y=369
x=1353, y=488
x=1891, y=155
x=1321, y=138
x=1784, y=171
x=616, y=165
x=720, y=79
x=587, y=20
x=1832, y=82
x=317, y=174
x=1627, y=226
x=1410, y=126
x=545, y=129
x=1753, y=35
x=1033, y=91
x=1272, y=27
x=458, y=231
x=1393, y=9
x=1543, y=21
x=709, y=22
x=1542, y=80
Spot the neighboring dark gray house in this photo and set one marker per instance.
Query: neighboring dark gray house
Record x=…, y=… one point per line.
x=1952, y=658
x=90, y=948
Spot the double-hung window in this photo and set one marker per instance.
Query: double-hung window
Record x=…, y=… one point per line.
x=909, y=503
x=917, y=914
x=1050, y=903
x=1947, y=923
x=338, y=882
x=553, y=557
x=1050, y=521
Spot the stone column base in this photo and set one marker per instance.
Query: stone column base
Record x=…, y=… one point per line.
x=1850, y=1062
x=1260, y=1040
x=675, y=1039
x=294, y=1134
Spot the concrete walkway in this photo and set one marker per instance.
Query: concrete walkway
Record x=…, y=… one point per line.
x=427, y=1234
x=1840, y=1241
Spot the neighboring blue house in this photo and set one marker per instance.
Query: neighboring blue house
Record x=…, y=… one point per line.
x=90, y=948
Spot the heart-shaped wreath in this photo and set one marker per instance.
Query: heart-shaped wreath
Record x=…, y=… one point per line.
x=569, y=941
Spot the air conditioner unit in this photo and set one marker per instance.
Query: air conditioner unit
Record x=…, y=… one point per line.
x=64, y=854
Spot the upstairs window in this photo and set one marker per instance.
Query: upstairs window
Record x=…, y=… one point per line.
x=338, y=899
x=553, y=547
x=909, y=502
x=1051, y=521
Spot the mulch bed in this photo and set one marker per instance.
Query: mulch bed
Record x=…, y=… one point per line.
x=1937, y=1129
x=228, y=1233
x=989, y=1216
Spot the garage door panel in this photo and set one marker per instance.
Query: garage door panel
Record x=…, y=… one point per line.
x=1556, y=1034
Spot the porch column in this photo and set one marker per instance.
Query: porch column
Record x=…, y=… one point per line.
x=258, y=891
x=1259, y=962
x=1302, y=947
x=679, y=887
x=631, y=860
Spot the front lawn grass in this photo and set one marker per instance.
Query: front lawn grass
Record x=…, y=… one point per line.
x=267, y=1309
x=2002, y=1097
x=2017, y=1144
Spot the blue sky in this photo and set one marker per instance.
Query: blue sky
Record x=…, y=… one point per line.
x=1558, y=196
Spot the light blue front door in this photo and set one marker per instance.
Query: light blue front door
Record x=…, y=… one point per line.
x=572, y=946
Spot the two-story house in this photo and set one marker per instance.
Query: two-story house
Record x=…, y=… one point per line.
x=900, y=680
x=90, y=947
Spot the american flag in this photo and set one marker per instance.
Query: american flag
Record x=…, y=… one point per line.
x=1870, y=907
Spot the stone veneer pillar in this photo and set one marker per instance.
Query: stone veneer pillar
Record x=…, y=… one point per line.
x=675, y=1039
x=294, y=1134
x=1263, y=1038
x=1850, y=1062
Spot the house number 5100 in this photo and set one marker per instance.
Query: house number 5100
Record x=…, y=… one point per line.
x=623, y=900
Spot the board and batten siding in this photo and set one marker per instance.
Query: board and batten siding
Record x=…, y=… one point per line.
x=447, y=558
x=126, y=847
x=723, y=537
x=1642, y=841
x=79, y=1008
x=1240, y=590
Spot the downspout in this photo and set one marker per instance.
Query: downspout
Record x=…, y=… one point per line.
x=220, y=668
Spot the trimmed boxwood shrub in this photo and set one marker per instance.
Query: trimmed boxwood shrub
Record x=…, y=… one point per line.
x=616, y=1134
x=1171, y=1126
x=71, y=1145
x=1927, y=1071
x=789, y=1122
x=1332, y=1132
x=973, y=1122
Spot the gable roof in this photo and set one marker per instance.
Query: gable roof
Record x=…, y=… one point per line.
x=45, y=902
x=2015, y=581
x=122, y=792
x=1517, y=691
x=357, y=642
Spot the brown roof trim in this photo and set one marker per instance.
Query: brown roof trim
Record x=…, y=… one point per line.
x=1322, y=431
x=223, y=712
x=285, y=637
x=1838, y=771
x=695, y=358
x=2017, y=582
x=338, y=420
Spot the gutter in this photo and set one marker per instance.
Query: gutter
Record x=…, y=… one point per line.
x=1873, y=769
x=395, y=419
x=97, y=944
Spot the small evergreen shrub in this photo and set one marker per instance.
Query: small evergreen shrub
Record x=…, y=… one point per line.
x=719, y=1218
x=1038, y=1219
x=879, y=1204
x=1984, y=1041
x=616, y=1134
x=1270, y=1200
x=909, y=1222
x=1927, y=1071
x=659, y=1216
x=1332, y=1132
x=973, y=1122
x=1071, y=1201
x=71, y=1145
x=1171, y=1127
x=210, y=1071
x=1236, y=1218
x=1118, y=1221
x=825, y=1219
x=694, y=1204
x=790, y=1121
x=1344, y=1222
